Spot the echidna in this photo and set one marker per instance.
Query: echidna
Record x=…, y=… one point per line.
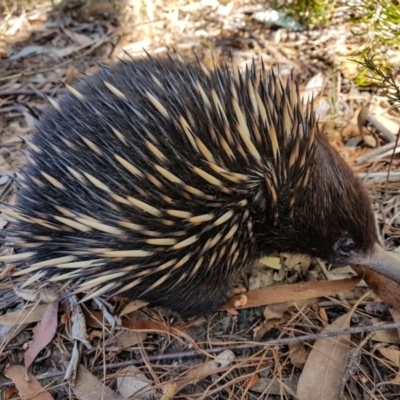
x=164, y=181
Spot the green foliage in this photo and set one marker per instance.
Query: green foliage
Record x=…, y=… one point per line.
x=376, y=22
x=9, y=6
x=367, y=74
x=385, y=78
x=307, y=12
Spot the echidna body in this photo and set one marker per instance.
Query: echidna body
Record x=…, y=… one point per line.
x=163, y=181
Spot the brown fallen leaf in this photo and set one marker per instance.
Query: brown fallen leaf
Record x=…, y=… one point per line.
x=43, y=333
x=294, y=292
x=129, y=338
x=178, y=331
x=275, y=311
x=396, y=317
x=326, y=364
x=169, y=391
x=94, y=317
x=133, y=306
x=88, y=387
x=9, y=393
x=313, y=88
x=392, y=354
x=298, y=354
x=78, y=38
x=198, y=373
x=27, y=390
x=322, y=314
x=132, y=382
x=387, y=290
x=3, y=223
x=253, y=381
x=25, y=316
x=268, y=325
x=390, y=336
x=278, y=387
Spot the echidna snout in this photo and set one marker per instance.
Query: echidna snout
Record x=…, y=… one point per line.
x=164, y=181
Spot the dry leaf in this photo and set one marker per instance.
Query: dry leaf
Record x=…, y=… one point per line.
x=10, y=392
x=197, y=373
x=396, y=317
x=207, y=368
x=394, y=356
x=384, y=119
x=261, y=276
x=275, y=311
x=3, y=222
x=275, y=386
x=370, y=141
x=322, y=107
x=313, y=88
x=131, y=380
x=169, y=391
x=78, y=323
x=155, y=326
x=267, y=326
x=253, y=381
x=129, y=338
x=93, y=318
x=88, y=387
x=15, y=24
x=326, y=364
x=298, y=354
x=322, y=314
x=133, y=306
x=78, y=38
x=387, y=290
x=293, y=260
x=352, y=128
x=27, y=390
x=43, y=333
x=29, y=51
x=295, y=292
x=390, y=336
x=272, y=262
x=362, y=118
x=46, y=294
x=26, y=315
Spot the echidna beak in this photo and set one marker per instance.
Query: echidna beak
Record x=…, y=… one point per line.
x=383, y=262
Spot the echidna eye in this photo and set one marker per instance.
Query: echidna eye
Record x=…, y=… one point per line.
x=345, y=247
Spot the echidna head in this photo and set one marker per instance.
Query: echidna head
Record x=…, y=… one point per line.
x=337, y=210
x=323, y=209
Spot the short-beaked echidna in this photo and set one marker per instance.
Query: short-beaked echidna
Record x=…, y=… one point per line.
x=163, y=181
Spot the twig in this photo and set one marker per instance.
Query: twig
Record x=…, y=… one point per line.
x=250, y=345
x=64, y=63
x=220, y=349
x=375, y=175
x=383, y=132
x=375, y=153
